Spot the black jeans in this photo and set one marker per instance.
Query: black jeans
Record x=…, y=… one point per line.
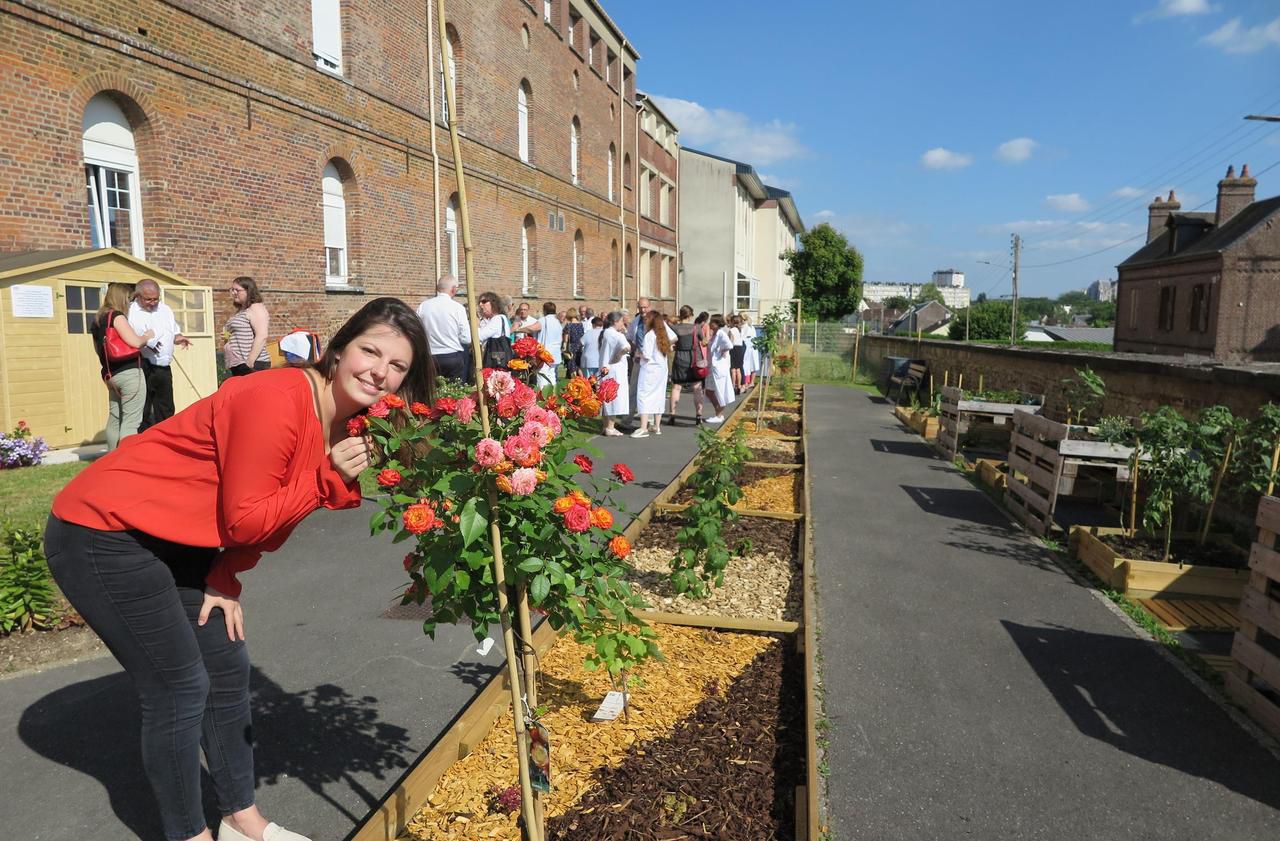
x=142, y=596
x=159, y=394
x=454, y=366
x=243, y=370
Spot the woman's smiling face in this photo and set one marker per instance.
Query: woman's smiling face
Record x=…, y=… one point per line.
x=372, y=365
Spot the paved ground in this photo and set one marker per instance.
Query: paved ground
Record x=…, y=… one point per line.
x=344, y=698
x=976, y=690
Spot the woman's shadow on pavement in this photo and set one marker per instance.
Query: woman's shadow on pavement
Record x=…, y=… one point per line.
x=319, y=737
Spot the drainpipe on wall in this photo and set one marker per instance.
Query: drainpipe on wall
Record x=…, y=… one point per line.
x=637, y=192
x=622, y=188
x=679, y=272
x=435, y=155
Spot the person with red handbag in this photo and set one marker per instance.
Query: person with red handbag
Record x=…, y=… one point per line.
x=119, y=349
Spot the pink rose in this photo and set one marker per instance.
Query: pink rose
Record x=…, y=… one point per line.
x=536, y=432
x=500, y=384
x=523, y=481
x=520, y=449
x=466, y=409
x=525, y=396
x=380, y=409
x=488, y=452
x=553, y=423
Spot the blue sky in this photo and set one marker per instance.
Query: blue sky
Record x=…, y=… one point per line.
x=928, y=132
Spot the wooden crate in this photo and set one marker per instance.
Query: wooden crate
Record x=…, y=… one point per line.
x=1254, y=681
x=992, y=473
x=961, y=420
x=1151, y=579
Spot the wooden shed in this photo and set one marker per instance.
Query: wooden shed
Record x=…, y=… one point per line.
x=49, y=374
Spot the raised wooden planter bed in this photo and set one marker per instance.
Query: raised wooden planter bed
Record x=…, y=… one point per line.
x=1046, y=461
x=1149, y=579
x=992, y=473
x=962, y=420
x=1254, y=680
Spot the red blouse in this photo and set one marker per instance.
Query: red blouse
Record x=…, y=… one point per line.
x=238, y=470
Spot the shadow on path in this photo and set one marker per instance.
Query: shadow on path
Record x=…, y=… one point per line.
x=902, y=448
x=968, y=504
x=1102, y=682
x=320, y=736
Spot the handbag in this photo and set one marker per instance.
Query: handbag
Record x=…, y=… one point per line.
x=497, y=351
x=699, y=372
x=117, y=349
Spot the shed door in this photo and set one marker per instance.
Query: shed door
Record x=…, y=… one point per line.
x=86, y=393
x=194, y=373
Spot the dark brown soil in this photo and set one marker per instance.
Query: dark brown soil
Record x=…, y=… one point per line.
x=781, y=537
x=785, y=426
x=748, y=475
x=39, y=649
x=728, y=771
x=775, y=457
x=1147, y=548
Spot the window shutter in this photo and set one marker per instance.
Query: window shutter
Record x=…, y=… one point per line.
x=326, y=32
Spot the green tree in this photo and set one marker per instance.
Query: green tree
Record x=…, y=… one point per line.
x=1075, y=299
x=988, y=321
x=1036, y=309
x=929, y=292
x=827, y=272
x=896, y=302
x=982, y=298
x=1102, y=314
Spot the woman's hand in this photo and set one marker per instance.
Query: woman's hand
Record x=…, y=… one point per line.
x=351, y=456
x=231, y=612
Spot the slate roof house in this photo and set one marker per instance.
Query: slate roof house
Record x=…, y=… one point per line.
x=929, y=318
x=1205, y=284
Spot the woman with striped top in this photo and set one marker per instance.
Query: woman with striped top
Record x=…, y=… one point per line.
x=246, y=331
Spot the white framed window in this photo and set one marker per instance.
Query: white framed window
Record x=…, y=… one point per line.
x=522, y=120
x=748, y=294
x=528, y=257
x=573, y=150
x=664, y=204
x=326, y=34
x=613, y=152
x=591, y=50
x=546, y=10
x=111, y=178
x=645, y=198
x=451, y=248
x=579, y=263
x=445, y=90
x=645, y=271
x=335, y=227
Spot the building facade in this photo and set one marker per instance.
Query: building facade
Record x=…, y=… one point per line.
x=734, y=231
x=944, y=278
x=1205, y=284
x=955, y=297
x=1102, y=290
x=659, y=205
x=305, y=145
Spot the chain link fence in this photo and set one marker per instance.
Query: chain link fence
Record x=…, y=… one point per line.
x=824, y=349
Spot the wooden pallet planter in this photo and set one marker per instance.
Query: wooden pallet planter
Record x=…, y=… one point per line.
x=1046, y=462
x=924, y=424
x=961, y=420
x=1254, y=680
x=992, y=473
x=1151, y=579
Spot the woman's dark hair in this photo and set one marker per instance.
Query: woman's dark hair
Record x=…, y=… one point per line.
x=657, y=322
x=549, y=308
x=419, y=384
x=494, y=299
x=597, y=321
x=717, y=321
x=686, y=312
x=251, y=293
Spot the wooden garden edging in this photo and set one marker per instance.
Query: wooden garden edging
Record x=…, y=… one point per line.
x=810, y=816
x=1150, y=579
x=1045, y=463
x=1254, y=682
x=959, y=417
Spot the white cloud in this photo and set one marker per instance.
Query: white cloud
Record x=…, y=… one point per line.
x=1233, y=37
x=1060, y=235
x=1174, y=9
x=1016, y=151
x=1127, y=193
x=824, y=214
x=1067, y=202
x=940, y=158
x=732, y=133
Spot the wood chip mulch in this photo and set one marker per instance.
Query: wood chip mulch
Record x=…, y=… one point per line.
x=759, y=585
x=662, y=695
x=728, y=771
x=781, y=537
x=749, y=478
x=789, y=454
x=781, y=493
x=772, y=444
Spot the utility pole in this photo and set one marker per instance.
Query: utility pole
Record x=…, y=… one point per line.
x=1013, y=318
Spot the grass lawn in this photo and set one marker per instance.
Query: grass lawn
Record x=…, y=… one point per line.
x=26, y=493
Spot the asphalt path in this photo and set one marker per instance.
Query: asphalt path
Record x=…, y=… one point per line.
x=977, y=690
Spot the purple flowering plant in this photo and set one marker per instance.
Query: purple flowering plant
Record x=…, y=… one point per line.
x=20, y=448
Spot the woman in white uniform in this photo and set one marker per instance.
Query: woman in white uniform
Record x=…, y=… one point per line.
x=751, y=359
x=651, y=382
x=614, y=350
x=721, y=376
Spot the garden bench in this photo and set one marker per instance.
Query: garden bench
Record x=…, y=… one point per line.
x=909, y=381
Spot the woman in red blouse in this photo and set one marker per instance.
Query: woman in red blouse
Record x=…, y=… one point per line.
x=147, y=541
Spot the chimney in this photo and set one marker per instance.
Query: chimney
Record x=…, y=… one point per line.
x=1158, y=213
x=1234, y=194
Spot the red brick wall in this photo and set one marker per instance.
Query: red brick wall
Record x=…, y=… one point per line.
x=234, y=125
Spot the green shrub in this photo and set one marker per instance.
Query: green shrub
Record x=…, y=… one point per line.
x=28, y=598
x=704, y=553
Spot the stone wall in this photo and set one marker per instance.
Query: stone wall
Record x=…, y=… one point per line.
x=1135, y=382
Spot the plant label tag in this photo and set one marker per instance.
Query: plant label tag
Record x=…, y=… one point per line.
x=539, y=757
x=485, y=647
x=610, y=707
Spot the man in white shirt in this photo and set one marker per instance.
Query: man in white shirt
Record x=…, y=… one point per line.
x=148, y=312
x=550, y=333
x=448, y=330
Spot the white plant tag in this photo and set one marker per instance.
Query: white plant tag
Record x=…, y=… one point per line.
x=610, y=707
x=485, y=647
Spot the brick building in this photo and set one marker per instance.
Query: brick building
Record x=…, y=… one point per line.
x=659, y=265
x=305, y=144
x=1205, y=284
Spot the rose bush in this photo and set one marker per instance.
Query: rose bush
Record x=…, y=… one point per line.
x=559, y=543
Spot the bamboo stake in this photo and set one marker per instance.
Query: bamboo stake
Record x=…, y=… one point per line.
x=528, y=805
x=980, y=382
x=1217, y=486
x=1133, y=496
x=1275, y=462
x=857, y=339
x=960, y=382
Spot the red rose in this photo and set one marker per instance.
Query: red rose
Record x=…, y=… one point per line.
x=395, y=401
x=607, y=390
x=408, y=562
x=420, y=408
x=507, y=407
x=577, y=518
x=526, y=347
x=623, y=473
x=524, y=396
x=446, y=405
x=388, y=477
x=380, y=409
x=357, y=426
x=583, y=462
x=419, y=518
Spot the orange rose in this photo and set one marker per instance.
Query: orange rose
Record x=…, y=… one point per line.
x=518, y=365
x=601, y=518
x=395, y=401
x=541, y=474
x=504, y=466
x=620, y=547
x=580, y=498
x=504, y=484
x=545, y=357
x=589, y=407
x=563, y=504
x=577, y=388
x=419, y=518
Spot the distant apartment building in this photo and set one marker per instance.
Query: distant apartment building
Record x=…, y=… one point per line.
x=659, y=206
x=1205, y=283
x=1102, y=290
x=944, y=278
x=955, y=297
x=734, y=231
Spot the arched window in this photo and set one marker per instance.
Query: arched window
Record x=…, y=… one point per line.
x=614, y=270
x=575, y=129
x=522, y=118
x=626, y=170
x=528, y=256
x=579, y=263
x=613, y=152
x=452, y=242
x=111, y=177
x=452, y=50
x=629, y=262
x=334, y=198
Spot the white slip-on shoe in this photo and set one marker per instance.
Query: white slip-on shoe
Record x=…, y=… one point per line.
x=716, y=419
x=276, y=832
x=640, y=433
